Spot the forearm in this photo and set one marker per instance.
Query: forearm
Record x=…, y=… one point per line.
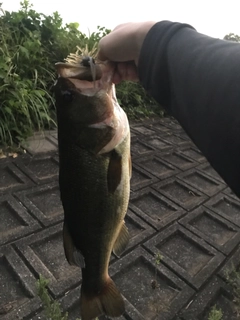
x=197, y=79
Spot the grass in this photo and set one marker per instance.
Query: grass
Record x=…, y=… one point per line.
x=52, y=308
x=233, y=279
x=158, y=258
x=215, y=314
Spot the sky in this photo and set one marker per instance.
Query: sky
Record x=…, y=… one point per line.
x=211, y=17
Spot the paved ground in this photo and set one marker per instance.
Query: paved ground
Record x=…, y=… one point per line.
x=180, y=208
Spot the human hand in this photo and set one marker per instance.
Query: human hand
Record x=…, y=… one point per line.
x=122, y=48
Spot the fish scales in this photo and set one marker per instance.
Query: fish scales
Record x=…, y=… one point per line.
x=94, y=179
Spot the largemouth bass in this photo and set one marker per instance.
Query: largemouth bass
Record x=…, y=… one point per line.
x=94, y=179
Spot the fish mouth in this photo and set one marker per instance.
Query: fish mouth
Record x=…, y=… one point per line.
x=88, y=80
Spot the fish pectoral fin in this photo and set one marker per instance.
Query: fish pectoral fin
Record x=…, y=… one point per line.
x=78, y=258
x=108, y=301
x=122, y=241
x=114, y=174
x=73, y=255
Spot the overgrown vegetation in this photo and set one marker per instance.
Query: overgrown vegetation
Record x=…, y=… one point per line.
x=215, y=314
x=31, y=43
x=51, y=308
x=233, y=278
x=136, y=102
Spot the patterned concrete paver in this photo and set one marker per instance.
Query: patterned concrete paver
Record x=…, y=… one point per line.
x=180, y=212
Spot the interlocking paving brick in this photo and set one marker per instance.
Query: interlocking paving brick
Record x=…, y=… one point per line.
x=70, y=304
x=151, y=210
x=41, y=142
x=43, y=202
x=172, y=124
x=193, y=152
x=176, y=139
x=202, y=182
x=230, y=193
x=138, y=229
x=12, y=178
x=232, y=265
x=15, y=220
x=152, y=291
x=17, y=287
x=226, y=206
x=179, y=160
x=141, y=178
x=186, y=254
x=155, y=209
x=208, y=169
x=139, y=148
x=158, y=143
x=183, y=135
x=133, y=134
x=143, y=130
x=53, y=133
x=52, y=136
x=157, y=166
x=215, y=230
x=181, y=193
x=45, y=256
x=218, y=294
x=40, y=168
x=159, y=128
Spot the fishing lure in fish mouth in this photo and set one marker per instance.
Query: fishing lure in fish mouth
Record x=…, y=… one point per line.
x=84, y=67
x=87, y=61
x=90, y=62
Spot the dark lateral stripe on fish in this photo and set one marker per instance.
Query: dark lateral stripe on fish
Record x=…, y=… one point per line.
x=114, y=174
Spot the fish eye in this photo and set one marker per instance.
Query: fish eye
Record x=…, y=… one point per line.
x=67, y=96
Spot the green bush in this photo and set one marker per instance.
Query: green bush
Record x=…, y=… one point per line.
x=136, y=102
x=30, y=44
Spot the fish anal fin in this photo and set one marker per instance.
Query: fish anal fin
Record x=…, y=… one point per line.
x=114, y=174
x=108, y=301
x=122, y=241
x=73, y=255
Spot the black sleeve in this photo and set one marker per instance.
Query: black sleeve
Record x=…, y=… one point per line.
x=197, y=79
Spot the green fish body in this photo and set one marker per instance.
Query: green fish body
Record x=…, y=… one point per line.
x=94, y=179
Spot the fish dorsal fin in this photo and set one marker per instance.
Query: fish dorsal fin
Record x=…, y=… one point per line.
x=122, y=241
x=73, y=255
x=114, y=174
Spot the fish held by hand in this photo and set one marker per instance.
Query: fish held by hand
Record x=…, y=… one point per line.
x=94, y=179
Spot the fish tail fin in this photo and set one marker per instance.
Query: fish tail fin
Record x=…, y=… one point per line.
x=109, y=302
